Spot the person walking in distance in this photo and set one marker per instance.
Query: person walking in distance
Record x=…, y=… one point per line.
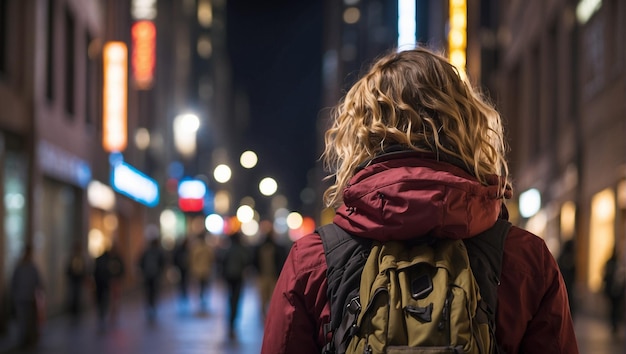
x=202, y=258
x=614, y=283
x=107, y=273
x=25, y=286
x=269, y=257
x=76, y=273
x=180, y=258
x=152, y=264
x=236, y=259
x=414, y=152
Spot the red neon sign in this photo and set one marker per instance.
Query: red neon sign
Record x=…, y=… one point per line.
x=143, y=58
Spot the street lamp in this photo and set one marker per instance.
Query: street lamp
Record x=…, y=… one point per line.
x=185, y=128
x=222, y=173
x=268, y=186
x=248, y=159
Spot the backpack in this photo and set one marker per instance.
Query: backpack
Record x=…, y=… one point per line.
x=417, y=297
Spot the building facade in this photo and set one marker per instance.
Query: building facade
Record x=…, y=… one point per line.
x=562, y=81
x=51, y=94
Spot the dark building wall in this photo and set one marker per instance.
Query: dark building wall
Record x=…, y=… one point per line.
x=563, y=93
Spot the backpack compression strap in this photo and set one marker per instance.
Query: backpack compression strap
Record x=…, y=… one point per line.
x=345, y=258
x=485, y=252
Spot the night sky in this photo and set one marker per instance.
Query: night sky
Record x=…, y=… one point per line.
x=275, y=49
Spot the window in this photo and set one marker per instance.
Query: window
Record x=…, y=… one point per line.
x=552, y=83
x=572, y=88
x=90, y=79
x=49, y=51
x=70, y=61
x=3, y=35
x=535, y=140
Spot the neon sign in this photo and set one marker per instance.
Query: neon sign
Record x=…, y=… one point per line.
x=129, y=181
x=114, y=95
x=143, y=58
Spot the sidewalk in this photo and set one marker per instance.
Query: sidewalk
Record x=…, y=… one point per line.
x=183, y=331
x=594, y=336
x=177, y=329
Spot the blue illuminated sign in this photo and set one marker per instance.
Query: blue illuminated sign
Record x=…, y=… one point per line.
x=127, y=180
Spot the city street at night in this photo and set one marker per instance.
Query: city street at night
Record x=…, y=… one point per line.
x=161, y=142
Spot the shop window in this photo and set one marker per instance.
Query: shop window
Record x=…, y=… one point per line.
x=601, y=236
x=15, y=199
x=568, y=220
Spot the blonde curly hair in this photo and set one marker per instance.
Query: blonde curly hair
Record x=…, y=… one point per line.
x=414, y=98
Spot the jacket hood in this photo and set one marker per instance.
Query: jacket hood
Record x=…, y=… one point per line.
x=407, y=195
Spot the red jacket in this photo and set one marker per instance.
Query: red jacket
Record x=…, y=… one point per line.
x=407, y=196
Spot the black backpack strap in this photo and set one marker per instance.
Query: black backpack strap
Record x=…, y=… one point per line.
x=485, y=252
x=345, y=258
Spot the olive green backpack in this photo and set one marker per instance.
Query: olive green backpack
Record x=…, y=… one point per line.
x=413, y=298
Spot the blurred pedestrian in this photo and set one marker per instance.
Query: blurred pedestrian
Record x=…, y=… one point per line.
x=269, y=257
x=236, y=259
x=202, y=258
x=152, y=264
x=117, y=270
x=76, y=273
x=567, y=264
x=107, y=273
x=614, y=284
x=180, y=258
x=27, y=290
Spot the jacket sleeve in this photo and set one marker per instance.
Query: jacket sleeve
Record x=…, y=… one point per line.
x=298, y=306
x=551, y=328
x=533, y=313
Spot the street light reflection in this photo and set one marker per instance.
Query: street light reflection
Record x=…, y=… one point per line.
x=214, y=224
x=245, y=213
x=222, y=173
x=268, y=186
x=248, y=159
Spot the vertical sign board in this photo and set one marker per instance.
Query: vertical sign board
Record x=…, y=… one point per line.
x=115, y=95
x=457, y=35
x=143, y=60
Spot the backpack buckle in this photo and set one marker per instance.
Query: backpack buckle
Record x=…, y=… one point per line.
x=354, y=306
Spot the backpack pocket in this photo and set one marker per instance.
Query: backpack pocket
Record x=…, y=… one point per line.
x=420, y=299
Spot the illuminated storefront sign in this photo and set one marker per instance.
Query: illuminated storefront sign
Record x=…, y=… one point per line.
x=63, y=165
x=143, y=60
x=191, y=195
x=127, y=180
x=114, y=94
